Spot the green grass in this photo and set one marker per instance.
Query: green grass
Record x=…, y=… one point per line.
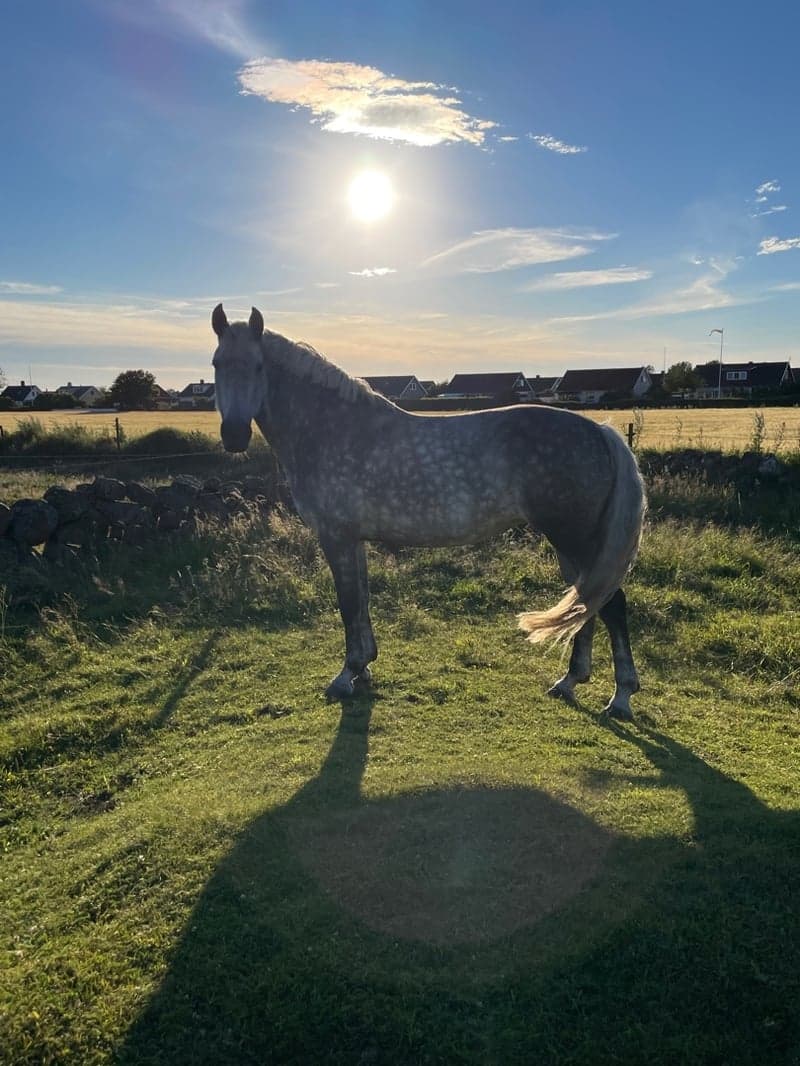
x=205, y=862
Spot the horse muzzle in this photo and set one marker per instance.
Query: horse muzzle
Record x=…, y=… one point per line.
x=235, y=435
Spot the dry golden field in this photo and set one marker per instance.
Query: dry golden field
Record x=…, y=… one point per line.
x=709, y=427
x=134, y=423
x=696, y=427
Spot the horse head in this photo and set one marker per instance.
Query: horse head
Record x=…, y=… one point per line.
x=238, y=376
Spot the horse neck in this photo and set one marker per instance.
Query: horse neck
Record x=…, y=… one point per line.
x=299, y=416
x=281, y=410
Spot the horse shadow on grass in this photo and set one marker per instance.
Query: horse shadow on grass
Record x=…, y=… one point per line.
x=488, y=925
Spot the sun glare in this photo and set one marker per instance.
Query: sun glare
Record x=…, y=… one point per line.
x=370, y=196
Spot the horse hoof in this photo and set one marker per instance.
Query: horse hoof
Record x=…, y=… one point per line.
x=561, y=692
x=622, y=714
x=339, y=689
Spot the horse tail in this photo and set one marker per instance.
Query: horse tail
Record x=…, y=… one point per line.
x=619, y=533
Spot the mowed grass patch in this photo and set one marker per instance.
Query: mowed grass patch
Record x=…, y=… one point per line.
x=204, y=861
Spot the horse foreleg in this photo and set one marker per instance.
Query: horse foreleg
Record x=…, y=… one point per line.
x=348, y=562
x=626, y=680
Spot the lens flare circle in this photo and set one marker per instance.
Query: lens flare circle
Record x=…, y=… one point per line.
x=370, y=196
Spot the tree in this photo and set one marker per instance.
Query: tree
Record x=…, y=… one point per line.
x=133, y=389
x=681, y=378
x=2, y=378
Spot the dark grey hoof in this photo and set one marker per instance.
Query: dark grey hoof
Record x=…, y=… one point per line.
x=364, y=678
x=561, y=692
x=622, y=714
x=339, y=689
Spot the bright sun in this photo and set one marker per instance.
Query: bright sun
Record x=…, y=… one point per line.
x=370, y=196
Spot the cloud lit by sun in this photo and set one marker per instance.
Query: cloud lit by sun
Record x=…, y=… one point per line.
x=370, y=196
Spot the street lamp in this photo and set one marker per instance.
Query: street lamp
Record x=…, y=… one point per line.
x=719, y=378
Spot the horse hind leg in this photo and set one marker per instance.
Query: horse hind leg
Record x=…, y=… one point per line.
x=626, y=679
x=580, y=665
x=580, y=661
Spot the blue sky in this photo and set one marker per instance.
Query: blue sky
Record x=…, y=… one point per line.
x=574, y=184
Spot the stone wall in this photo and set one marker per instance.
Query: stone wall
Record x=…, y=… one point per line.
x=69, y=519
x=745, y=471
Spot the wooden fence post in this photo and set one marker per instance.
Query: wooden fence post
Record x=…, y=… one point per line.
x=118, y=433
x=630, y=435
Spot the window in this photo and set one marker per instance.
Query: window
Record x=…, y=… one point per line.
x=736, y=375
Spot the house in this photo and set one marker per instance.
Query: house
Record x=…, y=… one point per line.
x=742, y=378
x=504, y=387
x=590, y=386
x=397, y=386
x=163, y=398
x=542, y=387
x=83, y=394
x=198, y=393
x=21, y=395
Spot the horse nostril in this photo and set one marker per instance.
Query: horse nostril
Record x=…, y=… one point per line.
x=235, y=436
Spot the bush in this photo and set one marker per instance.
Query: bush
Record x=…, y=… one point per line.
x=169, y=441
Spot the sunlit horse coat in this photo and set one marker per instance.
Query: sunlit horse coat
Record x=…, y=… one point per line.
x=362, y=469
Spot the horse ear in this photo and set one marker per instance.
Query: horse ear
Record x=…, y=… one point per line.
x=256, y=323
x=219, y=322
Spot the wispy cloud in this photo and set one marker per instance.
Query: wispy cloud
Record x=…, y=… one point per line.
x=488, y=251
x=106, y=338
x=762, y=201
x=769, y=210
x=279, y=292
x=789, y=286
x=220, y=23
x=25, y=288
x=579, y=279
x=767, y=187
x=158, y=326
x=552, y=144
x=703, y=294
x=771, y=245
x=372, y=272
x=351, y=98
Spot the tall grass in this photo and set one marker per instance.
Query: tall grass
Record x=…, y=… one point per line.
x=31, y=437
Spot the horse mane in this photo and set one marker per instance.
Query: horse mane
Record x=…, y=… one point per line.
x=306, y=363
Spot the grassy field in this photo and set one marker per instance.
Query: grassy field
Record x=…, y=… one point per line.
x=205, y=862
x=697, y=427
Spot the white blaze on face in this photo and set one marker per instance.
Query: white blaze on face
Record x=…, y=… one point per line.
x=370, y=196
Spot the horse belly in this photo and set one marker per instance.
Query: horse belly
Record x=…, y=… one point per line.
x=437, y=516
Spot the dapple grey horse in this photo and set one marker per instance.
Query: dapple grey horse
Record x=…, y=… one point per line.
x=360, y=468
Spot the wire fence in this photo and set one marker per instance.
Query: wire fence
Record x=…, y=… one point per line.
x=98, y=458
x=104, y=458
